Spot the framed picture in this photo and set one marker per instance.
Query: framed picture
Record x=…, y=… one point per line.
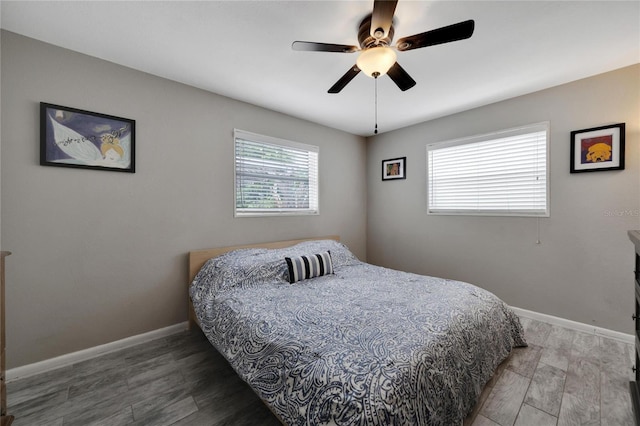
x=396, y=168
x=71, y=137
x=598, y=149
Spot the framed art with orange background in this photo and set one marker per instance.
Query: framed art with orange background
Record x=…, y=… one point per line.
x=597, y=149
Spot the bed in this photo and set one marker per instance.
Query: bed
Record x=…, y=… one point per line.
x=325, y=339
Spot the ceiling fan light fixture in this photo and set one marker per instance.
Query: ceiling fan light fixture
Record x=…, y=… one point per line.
x=376, y=60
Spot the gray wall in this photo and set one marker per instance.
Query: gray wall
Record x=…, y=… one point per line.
x=1, y=301
x=99, y=256
x=582, y=270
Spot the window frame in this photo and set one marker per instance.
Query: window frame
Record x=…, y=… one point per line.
x=314, y=205
x=512, y=132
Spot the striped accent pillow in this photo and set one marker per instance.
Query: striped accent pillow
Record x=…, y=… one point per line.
x=309, y=266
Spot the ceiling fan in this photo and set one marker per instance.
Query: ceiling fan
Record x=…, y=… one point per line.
x=377, y=56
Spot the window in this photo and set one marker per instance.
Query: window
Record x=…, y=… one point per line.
x=274, y=176
x=499, y=174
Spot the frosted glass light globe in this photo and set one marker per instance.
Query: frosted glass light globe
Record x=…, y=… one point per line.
x=376, y=60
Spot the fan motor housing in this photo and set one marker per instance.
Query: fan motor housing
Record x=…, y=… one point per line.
x=365, y=38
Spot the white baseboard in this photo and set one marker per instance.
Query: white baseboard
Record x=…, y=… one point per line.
x=85, y=354
x=574, y=325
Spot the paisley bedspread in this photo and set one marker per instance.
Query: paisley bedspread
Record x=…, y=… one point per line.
x=363, y=346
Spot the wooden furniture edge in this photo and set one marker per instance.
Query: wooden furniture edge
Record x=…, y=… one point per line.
x=197, y=258
x=634, y=236
x=5, y=419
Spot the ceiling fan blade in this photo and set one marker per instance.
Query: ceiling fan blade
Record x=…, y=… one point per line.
x=382, y=17
x=345, y=79
x=455, y=32
x=400, y=77
x=310, y=46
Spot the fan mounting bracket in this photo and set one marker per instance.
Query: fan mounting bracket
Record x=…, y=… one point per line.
x=365, y=38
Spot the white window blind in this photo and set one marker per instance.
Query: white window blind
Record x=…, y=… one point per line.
x=499, y=174
x=274, y=176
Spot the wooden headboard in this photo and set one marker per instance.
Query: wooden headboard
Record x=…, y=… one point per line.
x=197, y=258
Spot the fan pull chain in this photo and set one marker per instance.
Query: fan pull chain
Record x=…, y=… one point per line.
x=375, y=77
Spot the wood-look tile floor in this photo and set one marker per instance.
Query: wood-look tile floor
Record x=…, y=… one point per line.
x=563, y=378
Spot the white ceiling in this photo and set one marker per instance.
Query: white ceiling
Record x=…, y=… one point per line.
x=242, y=49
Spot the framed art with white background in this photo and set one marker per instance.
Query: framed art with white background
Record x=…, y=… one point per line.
x=395, y=168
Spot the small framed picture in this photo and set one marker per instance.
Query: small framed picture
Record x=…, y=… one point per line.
x=396, y=168
x=598, y=149
x=71, y=137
